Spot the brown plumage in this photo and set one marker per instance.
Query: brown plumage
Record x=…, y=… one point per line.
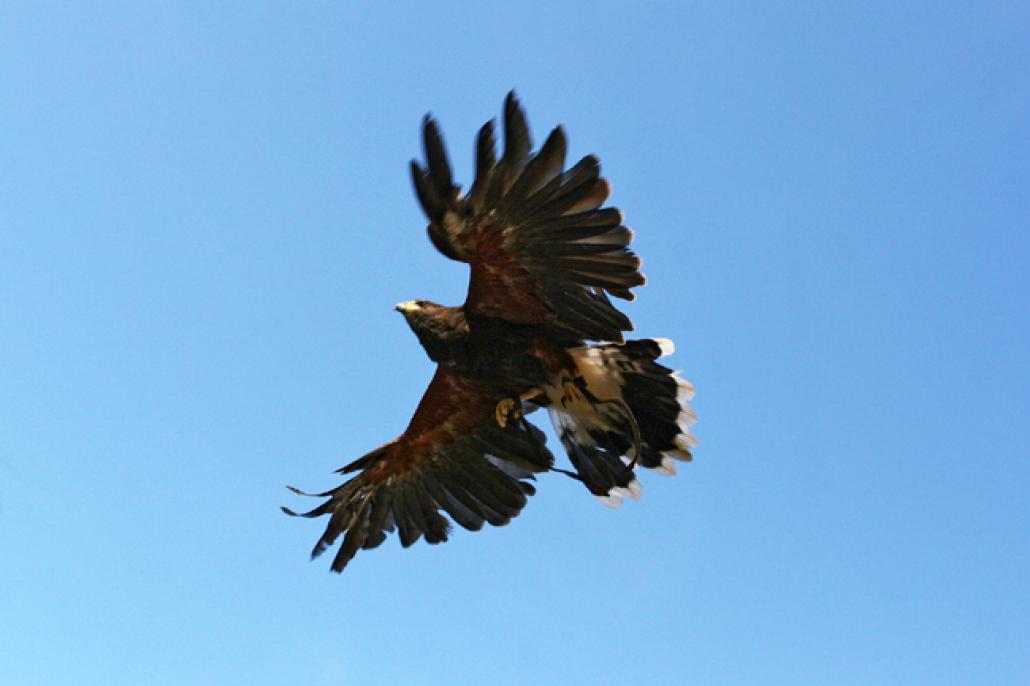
x=545, y=256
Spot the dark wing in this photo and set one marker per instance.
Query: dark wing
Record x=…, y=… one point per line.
x=542, y=249
x=452, y=457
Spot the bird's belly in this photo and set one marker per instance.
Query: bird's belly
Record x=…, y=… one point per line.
x=503, y=367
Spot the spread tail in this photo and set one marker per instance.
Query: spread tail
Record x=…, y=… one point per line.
x=620, y=408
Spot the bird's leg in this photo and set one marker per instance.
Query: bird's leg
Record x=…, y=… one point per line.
x=511, y=408
x=574, y=390
x=633, y=426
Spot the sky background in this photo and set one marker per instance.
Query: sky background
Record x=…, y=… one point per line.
x=205, y=219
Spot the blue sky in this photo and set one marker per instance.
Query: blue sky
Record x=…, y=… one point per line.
x=205, y=220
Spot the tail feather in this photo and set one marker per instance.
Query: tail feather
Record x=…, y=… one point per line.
x=622, y=409
x=596, y=454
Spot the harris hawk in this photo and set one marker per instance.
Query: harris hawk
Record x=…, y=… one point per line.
x=537, y=329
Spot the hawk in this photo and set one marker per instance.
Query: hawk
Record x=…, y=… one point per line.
x=537, y=329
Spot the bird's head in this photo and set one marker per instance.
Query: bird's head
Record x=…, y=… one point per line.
x=419, y=313
x=432, y=323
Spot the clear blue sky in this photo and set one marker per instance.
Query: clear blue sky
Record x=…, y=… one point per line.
x=205, y=220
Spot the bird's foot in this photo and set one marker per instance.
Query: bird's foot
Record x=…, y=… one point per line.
x=507, y=408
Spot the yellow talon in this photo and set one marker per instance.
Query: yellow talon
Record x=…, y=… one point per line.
x=506, y=408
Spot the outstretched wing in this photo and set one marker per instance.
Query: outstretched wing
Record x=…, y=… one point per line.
x=453, y=457
x=542, y=249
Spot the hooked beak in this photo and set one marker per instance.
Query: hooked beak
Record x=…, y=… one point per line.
x=406, y=307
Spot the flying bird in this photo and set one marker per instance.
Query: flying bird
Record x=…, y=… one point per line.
x=537, y=330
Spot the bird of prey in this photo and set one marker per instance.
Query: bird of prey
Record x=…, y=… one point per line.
x=537, y=329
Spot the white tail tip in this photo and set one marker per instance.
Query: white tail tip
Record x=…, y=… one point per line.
x=666, y=346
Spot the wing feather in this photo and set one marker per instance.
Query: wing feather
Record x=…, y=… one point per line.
x=486, y=160
x=436, y=157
